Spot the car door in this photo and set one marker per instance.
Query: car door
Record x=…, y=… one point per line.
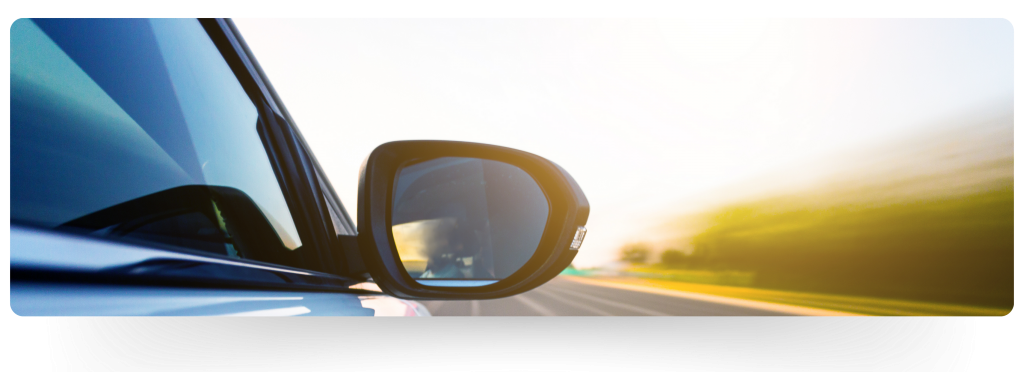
x=154, y=171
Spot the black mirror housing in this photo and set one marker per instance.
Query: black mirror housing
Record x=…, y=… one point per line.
x=562, y=235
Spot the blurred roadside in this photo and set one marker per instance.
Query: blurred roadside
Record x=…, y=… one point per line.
x=919, y=226
x=850, y=305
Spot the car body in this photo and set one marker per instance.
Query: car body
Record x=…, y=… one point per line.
x=155, y=171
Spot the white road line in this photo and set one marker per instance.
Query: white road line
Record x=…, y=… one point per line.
x=611, y=303
x=474, y=308
x=575, y=304
x=751, y=304
x=535, y=306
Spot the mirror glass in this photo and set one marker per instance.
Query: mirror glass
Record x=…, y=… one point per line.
x=466, y=221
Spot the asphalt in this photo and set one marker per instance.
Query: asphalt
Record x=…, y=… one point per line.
x=564, y=297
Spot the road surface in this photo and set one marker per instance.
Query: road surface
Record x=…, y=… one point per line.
x=568, y=297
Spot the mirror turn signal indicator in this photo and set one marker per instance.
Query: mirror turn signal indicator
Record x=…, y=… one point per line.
x=577, y=240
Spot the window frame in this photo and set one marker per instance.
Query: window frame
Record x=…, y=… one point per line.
x=307, y=190
x=330, y=259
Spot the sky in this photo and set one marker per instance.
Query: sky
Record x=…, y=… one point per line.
x=653, y=118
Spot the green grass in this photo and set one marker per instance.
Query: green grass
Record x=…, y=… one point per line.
x=949, y=249
x=732, y=278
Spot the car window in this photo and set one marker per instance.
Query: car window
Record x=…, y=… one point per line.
x=138, y=130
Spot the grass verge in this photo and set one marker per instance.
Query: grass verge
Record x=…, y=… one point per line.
x=726, y=278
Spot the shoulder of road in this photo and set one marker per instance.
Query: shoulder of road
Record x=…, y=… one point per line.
x=796, y=303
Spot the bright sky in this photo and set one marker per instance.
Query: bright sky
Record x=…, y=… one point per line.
x=647, y=115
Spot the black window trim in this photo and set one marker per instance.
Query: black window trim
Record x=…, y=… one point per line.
x=309, y=193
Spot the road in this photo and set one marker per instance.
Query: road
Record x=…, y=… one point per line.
x=567, y=297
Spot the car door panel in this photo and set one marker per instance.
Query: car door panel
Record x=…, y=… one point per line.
x=69, y=275
x=63, y=299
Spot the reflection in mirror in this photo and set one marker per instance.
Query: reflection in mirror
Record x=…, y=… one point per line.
x=466, y=221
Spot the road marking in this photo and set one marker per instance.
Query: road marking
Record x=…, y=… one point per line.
x=760, y=305
x=611, y=303
x=573, y=304
x=474, y=308
x=535, y=306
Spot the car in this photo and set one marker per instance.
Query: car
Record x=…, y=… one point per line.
x=155, y=171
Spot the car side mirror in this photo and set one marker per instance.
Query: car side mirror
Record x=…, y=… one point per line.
x=458, y=220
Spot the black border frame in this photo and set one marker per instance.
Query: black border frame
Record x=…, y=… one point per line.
x=568, y=209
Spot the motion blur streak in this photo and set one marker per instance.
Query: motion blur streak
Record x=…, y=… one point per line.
x=928, y=218
x=786, y=309
x=566, y=297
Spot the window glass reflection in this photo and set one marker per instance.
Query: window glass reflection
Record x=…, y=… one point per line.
x=114, y=115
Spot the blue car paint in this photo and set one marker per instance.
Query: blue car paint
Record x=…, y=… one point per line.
x=40, y=250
